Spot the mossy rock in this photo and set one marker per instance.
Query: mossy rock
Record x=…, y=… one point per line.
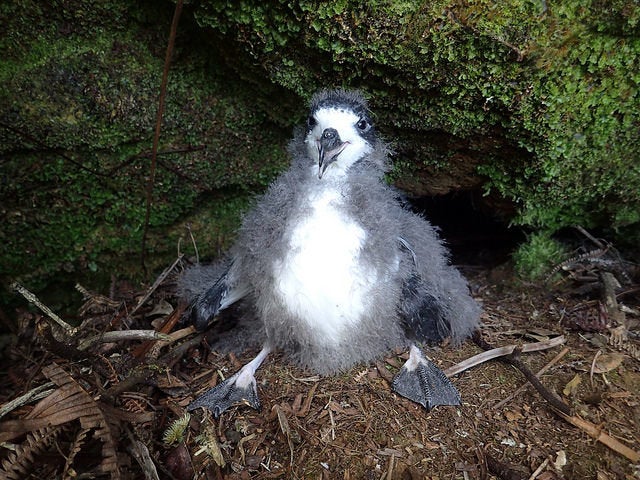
x=77, y=117
x=533, y=105
x=536, y=104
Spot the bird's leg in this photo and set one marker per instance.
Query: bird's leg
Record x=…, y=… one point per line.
x=424, y=383
x=238, y=388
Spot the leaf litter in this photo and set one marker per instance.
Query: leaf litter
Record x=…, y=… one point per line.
x=109, y=402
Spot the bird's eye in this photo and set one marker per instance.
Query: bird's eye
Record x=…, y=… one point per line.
x=311, y=122
x=363, y=125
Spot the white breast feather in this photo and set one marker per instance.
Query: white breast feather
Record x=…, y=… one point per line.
x=320, y=280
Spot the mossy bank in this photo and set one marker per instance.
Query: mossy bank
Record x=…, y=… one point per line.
x=528, y=103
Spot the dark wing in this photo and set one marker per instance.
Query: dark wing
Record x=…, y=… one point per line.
x=222, y=293
x=209, y=303
x=420, y=310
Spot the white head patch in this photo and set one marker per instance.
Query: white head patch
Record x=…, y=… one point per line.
x=345, y=122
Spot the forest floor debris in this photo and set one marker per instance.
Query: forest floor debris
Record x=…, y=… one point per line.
x=72, y=408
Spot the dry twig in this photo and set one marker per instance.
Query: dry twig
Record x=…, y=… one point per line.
x=122, y=335
x=492, y=353
x=155, y=285
x=513, y=359
x=596, y=432
x=156, y=137
x=31, y=298
x=541, y=372
x=34, y=394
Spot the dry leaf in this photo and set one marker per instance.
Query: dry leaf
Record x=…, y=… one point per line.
x=68, y=403
x=208, y=441
x=284, y=426
x=561, y=460
x=571, y=388
x=607, y=362
x=512, y=416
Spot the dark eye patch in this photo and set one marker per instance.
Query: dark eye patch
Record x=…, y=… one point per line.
x=363, y=125
x=311, y=122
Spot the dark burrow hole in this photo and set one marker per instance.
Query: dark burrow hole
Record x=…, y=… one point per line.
x=474, y=234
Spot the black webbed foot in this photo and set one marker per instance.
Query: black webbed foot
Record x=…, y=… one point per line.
x=234, y=390
x=424, y=383
x=238, y=388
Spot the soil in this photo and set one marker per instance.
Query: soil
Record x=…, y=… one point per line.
x=350, y=426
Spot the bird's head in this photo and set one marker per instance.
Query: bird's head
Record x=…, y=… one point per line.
x=339, y=130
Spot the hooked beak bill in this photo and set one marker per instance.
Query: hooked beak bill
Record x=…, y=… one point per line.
x=329, y=147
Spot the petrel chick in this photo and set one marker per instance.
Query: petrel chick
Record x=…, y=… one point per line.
x=334, y=268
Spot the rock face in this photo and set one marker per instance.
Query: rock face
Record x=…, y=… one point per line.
x=77, y=116
x=536, y=106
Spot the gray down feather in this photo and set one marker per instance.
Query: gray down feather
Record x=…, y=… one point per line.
x=424, y=298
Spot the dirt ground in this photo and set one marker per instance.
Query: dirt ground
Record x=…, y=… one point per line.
x=111, y=408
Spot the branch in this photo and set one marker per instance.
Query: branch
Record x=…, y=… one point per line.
x=596, y=432
x=156, y=284
x=156, y=136
x=31, y=298
x=501, y=352
x=540, y=372
x=514, y=360
x=122, y=335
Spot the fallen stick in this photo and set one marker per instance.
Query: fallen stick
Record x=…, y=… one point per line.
x=562, y=408
x=156, y=284
x=170, y=322
x=514, y=360
x=34, y=394
x=154, y=351
x=596, y=432
x=32, y=299
x=541, y=372
x=501, y=352
x=122, y=335
x=146, y=373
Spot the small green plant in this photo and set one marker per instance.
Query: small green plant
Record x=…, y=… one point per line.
x=175, y=432
x=535, y=258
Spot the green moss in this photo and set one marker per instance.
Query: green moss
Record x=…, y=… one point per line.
x=557, y=88
x=77, y=115
x=543, y=103
x=535, y=258
x=389, y=42
x=583, y=121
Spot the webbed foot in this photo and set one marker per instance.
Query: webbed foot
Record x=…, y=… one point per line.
x=227, y=394
x=238, y=388
x=424, y=383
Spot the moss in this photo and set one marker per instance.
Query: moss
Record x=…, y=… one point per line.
x=557, y=89
x=540, y=106
x=77, y=115
x=583, y=123
x=535, y=258
x=396, y=46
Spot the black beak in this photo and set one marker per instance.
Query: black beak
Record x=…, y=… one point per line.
x=329, y=147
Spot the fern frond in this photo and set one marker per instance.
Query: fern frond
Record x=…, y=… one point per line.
x=175, y=432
